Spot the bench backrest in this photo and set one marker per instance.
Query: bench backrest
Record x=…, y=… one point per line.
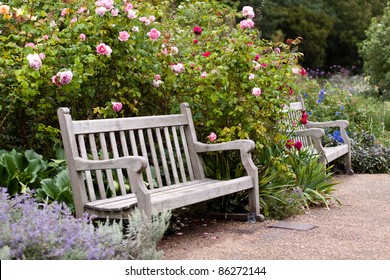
x=166, y=141
x=294, y=120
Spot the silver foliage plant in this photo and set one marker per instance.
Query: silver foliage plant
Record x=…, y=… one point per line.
x=40, y=231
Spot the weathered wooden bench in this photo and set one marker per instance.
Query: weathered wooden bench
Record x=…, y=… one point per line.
x=151, y=162
x=311, y=134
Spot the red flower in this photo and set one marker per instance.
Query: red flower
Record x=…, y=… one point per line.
x=304, y=115
x=289, y=41
x=303, y=120
x=291, y=91
x=303, y=71
x=206, y=54
x=290, y=143
x=298, y=145
x=197, y=30
x=196, y=41
x=257, y=57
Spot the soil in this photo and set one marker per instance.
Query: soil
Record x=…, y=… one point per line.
x=357, y=229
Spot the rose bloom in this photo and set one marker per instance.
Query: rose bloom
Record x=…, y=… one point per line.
x=116, y=106
x=206, y=54
x=108, y=4
x=128, y=7
x=64, y=12
x=29, y=45
x=100, y=11
x=290, y=143
x=45, y=37
x=251, y=76
x=81, y=10
x=256, y=91
x=295, y=70
x=103, y=49
x=178, y=68
x=156, y=83
x=114, y=12
x=152, y=18
x=42, y=55
x=196, y=41
x=203, y=75
x=247, y=11
x=298, y=145
x=35, y=61
x=82, y=36
x=131, y=14
x=65, y=77
x=55, y=80
x=73, y=20
x=123, y=36
x=135, y=29
x=197, y=30
x=212, y=137
x=247, y=23
x=157, y=77
x=154, y=34
x=4, y=9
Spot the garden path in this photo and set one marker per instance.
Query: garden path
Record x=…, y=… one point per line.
x=359, y=229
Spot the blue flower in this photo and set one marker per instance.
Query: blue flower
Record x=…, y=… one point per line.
x=337, y=136
x=337, y=113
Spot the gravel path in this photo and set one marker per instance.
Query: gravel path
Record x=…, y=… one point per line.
x=359, y=229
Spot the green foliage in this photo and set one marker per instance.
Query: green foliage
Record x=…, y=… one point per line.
x=292, y=181
x=222, y=97
x=330, y=29
x=375, y=52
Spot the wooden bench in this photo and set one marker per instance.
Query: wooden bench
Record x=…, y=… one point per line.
x=152, y=162
x=311, y=135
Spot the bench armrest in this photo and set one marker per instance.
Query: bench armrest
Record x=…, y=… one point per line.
x=134, y=163
x=315, y=134
x=242, y=145
x=338, y=123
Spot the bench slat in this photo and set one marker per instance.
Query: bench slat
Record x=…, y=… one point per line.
x=133, y=123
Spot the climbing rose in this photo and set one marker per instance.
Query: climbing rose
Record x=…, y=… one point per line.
x=35, y=61
x=65, y=77
x=123, y=36
x=154, y=34
x=116, y=106
x=197, y=30
x=103, y=49
x=212, y=137
x=256, y=91
x=247, y=23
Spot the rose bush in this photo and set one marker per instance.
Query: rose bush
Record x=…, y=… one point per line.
x=149, y=57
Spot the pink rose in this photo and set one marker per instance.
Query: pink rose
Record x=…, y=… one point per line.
x=247, y=11
x=154, y=34
x=131, y=14
x=65, y=77
x=42, y=56
x=256, y=91
x=45, y=37
x=29, y=45
x=251, y=76
x=247, y=23
x=100, y=11
x=56, y=81
x=64, y=12
x=177, y=68
x=152, y=18
x=157, y=77
x=73, y=20
x=203, y=75
x=83, y=37
x=35, y=61
x=103, y=49
x=156, y=83
x=116, y=106
x=114, y=12
x=123, y=36
x=108, y=4
x=295, y=70
x=128, y=7
x=81, y=10
x=212, y=137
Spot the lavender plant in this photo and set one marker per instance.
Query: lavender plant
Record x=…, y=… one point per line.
x=40, y=231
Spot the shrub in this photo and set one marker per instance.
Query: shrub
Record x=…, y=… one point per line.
x=375, y=53
x=368, y=156
x=32, y=231
x=215, y=69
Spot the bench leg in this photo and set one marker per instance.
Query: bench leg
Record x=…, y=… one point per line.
x=254, y=205
x=348, y=164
